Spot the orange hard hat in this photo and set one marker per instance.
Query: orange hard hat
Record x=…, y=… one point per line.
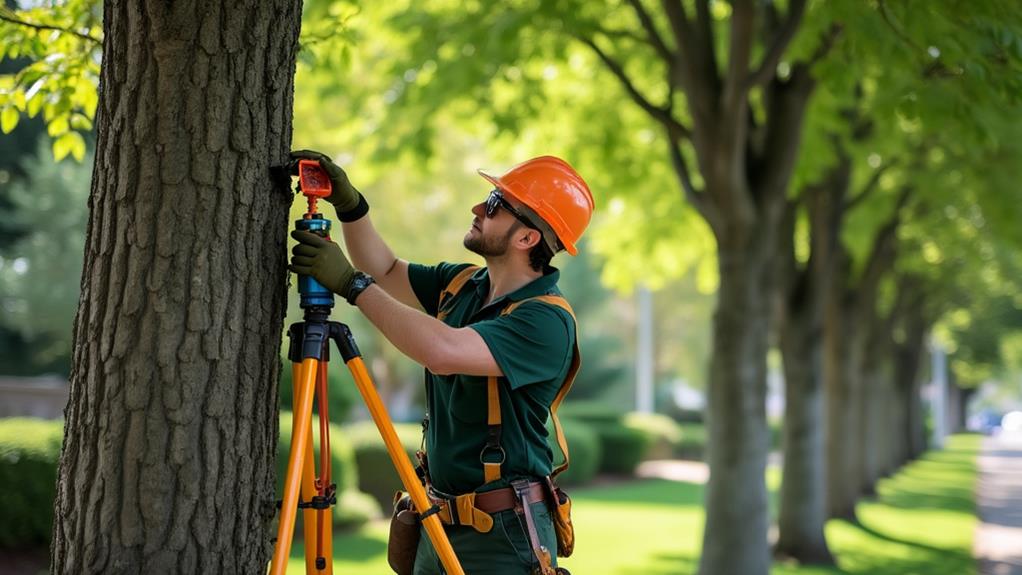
x=554, y=191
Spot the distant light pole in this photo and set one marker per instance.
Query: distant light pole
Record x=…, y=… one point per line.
x=938, y=392
x=644, y=360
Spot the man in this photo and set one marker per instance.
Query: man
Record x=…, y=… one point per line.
x=498, y=344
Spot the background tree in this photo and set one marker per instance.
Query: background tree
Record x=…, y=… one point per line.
x=40, y=270
x=170, y=426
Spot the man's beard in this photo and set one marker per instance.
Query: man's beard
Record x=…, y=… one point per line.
x=490, y=247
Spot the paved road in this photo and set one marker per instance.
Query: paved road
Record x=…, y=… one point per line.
x=998, y=543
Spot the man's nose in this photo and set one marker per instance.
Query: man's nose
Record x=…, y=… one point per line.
x=479, y=210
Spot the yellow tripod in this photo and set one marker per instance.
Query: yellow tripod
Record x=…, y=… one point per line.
x=309, y=354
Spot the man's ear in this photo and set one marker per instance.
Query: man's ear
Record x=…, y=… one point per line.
x=530, y=238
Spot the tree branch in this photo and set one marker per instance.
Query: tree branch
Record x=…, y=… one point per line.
x=739, y=53
x=4, y=15
x=883, y=252
x=897, y=31
x=626, y=34
x=780, y=43
x=655, y=39
x=826, y=43
x=675, y=11
x=703, y=36
x=697, y=198
x=869, y=188
x=662, y=115
x=701, y=86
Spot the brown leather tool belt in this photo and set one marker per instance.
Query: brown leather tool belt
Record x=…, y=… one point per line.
x=476, y=509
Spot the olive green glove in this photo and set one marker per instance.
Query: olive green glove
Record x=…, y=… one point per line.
x=322, y=259
x=344, y=197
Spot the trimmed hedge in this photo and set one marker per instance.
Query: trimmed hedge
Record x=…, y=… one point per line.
x=584, y=449
x=623, y=443
x=353, y=508
x=29, y=451
x=376, y=473
x=666, y=433
x=624, y=447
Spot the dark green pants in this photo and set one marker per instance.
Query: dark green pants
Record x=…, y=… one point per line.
x=505, y=550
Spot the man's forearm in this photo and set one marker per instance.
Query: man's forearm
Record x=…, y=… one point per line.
x=366, y=247
x=414, y=333
x=438, y=347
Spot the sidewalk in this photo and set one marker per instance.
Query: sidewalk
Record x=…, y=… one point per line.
x=998, y=543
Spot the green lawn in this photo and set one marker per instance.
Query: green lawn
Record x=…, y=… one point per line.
x=921, y=523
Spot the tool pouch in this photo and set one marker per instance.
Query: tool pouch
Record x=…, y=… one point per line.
x=560, y=505
x=404, y=535
x=462, y=511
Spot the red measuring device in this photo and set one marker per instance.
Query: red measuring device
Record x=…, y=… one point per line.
x=314, y=182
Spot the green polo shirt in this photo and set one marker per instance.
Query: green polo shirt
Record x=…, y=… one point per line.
x=533, y=345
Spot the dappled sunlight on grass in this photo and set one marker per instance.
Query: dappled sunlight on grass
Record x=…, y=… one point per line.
x=921, y=522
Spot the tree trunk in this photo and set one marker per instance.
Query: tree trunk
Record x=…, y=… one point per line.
x=873, y=442
x=803, y=510
x=875, y=400
x=803, y=505
x=736, y=498
x=840, y=364
x=906, y=347
x=171, y=423
x=850, y=312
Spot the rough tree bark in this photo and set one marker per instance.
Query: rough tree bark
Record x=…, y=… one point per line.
x=171, y=423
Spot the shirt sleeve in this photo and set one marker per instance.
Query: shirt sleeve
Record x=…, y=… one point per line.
x=428, y=281
x=532, y=344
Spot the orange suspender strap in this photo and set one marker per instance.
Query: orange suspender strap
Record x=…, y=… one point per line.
x=452, y=289
x=576, y=362
x=491, y=469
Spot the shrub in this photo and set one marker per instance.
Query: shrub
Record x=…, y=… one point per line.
x=29, y=450
x=594, y=412
x=376, y=473
x=693, y=441
x=623, y=444
x=584, y=448
x=352, y=508
x=666, y=433
x=624, y=447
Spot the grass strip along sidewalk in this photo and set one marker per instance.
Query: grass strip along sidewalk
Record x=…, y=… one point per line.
x=922, y=521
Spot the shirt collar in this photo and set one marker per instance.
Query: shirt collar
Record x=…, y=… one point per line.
x=536, y=287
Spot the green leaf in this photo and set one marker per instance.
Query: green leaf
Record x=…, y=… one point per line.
x=8, y=120
x=80, y=122
x=77, y=145
x=58, y=125
x=66, y=144
x=34, y=103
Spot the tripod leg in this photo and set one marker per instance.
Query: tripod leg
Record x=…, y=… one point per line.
x=318, y=522
x=306, y=379
x=310, y=526
x=434, y=529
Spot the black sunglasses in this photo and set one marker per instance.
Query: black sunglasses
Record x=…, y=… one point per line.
x=496, y=200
